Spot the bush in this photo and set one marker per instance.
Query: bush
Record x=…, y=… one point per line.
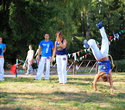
x=120, y=66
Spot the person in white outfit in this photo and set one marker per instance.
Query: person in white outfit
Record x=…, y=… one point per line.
x=47, y=47
x=29, y=59
x=36, y=55
x=104, y=69
x=61, y=57
x=2, y=50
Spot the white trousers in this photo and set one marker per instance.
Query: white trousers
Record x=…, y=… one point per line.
x=41, y=68
x=61, y=68
x=1, y=69
x=99, y=54
x=29, y=69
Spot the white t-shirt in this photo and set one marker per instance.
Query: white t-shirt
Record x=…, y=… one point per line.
x=30, y=55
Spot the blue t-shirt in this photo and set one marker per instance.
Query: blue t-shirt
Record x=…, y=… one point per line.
x=46, y=48
x=2, y=46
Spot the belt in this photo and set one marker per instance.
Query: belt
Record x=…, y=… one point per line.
x=60, y=55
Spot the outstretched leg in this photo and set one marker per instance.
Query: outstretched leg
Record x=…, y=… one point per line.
x=105, y=42
x=95, y=50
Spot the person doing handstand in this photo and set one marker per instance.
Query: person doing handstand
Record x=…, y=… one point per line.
x=101, y=55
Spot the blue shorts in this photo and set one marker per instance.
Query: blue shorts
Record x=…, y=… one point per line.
x=104, y=66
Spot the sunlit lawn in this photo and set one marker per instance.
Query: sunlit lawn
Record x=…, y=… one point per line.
x=78, y=94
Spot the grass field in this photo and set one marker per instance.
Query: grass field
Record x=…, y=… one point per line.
x=78, y=94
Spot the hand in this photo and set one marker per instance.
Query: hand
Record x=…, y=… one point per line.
x=67, y=67
x=37, y=58
x=58, y=39
x=52, y=59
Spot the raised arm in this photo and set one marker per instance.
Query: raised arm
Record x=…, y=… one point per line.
x=62, y=45
x=111, y=81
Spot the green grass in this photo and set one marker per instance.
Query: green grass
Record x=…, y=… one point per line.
x=78, y=94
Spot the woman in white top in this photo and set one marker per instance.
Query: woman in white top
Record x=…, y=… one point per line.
x=29, y=59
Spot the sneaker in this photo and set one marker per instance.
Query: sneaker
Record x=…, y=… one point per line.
x=99, y=25
x=86, y=45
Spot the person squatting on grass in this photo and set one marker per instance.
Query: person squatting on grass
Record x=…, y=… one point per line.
x=104, y=69
x=2, y=50
x=46, y=46
x=61, y=57
x=29, y=59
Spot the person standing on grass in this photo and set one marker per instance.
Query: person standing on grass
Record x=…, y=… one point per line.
x=61, y=57
x=104, y=69
x=47, y=47
x=29, y=59
x=2, y=50
x=36, y=55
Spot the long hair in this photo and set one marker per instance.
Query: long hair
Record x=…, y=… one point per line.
x=105, y=77
x=59, y=33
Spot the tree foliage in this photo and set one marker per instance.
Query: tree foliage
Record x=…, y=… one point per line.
x=25, y=22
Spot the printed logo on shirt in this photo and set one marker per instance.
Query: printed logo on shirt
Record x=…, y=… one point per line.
x=44, y=44
x=47, y=48
x=104, y=67
x=0, y=51
x=59, y=48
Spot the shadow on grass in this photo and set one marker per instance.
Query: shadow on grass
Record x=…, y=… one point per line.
x=59, y=97
x=118, y=80
x=31, y=79
x=81, y=79
x=19, y=79
x=78, y=83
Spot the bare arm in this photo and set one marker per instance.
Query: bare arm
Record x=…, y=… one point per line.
x=54, y=52
x=4, y=50
x=111, y=81
x=26, y=56
x=32, y=54
x=52, y=49
x=36, y=52
x=95, y=81
x=40, y=49
x=62, y=45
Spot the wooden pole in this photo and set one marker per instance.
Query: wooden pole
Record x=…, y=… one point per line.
x=116, y=67
x=16, y=67
x=74, y=67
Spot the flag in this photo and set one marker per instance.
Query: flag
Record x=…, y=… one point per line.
x=13, y=69
x=78, y=53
